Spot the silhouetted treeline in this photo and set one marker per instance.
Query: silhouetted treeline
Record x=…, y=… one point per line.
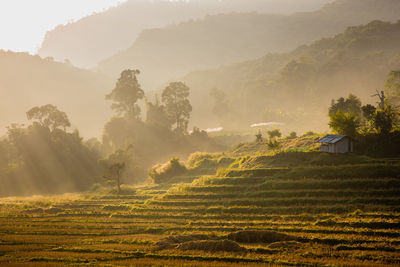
x=45, y=157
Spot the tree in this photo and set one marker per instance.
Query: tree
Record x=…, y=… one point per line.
x=368, y=111
x=115, y=170
x=350, y=105
x=177, y=106
x=384, y=120
x=49, y=116
x=274, y=133
x=345, y=123
x=47, y=157
x=292, y=135
x=114, y=165
x=126, y=93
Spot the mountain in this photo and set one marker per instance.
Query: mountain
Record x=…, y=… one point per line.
x=90, y=39
x=167, y=53
x=296, y=88
x=27, y=81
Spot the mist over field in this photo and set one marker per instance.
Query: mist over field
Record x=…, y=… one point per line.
x=200, y=133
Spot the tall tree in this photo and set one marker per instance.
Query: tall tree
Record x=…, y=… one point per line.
x=350, y=105
x=368, y=111
x=126, y=93
x=384, y=120
x=49, y=116
x=177, y=105
x=345, y=123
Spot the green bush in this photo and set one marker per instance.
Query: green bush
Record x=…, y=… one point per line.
x=206, y=163
x=195, y=158
x=165, y=172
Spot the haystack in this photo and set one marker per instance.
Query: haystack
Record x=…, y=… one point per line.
x=173, y=241
x=253, y=236
x=212, y=245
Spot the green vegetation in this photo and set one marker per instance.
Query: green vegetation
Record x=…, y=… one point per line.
x=231, y=200
x=163, y=173
x=295, y=88
x=44, y=157
x=319, y=209
x=375, y=130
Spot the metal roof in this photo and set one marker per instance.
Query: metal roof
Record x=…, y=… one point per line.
x=331, y=138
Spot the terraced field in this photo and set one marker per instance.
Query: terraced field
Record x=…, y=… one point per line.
x=212, y=221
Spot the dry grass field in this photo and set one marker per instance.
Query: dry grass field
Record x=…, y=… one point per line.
x=212, y=221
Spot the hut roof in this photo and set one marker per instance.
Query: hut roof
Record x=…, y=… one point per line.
x=331, y=138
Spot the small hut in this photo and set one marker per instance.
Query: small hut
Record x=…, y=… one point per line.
x=333, y=143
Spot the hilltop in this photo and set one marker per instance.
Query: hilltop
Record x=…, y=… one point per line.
x=167, y=53
x=27, y=81
x=296, y=87
x=95, y=37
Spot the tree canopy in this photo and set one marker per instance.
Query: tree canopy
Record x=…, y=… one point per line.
x=352, y=104
x=345, y=123
x=49, y=116
x=177, y=105
x=126, y=93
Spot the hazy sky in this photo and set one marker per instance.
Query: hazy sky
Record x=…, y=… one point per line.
x=23, y=23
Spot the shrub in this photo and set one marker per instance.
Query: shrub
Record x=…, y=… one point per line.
x=163, y=173
x=194, y=158
x=274, y=133
x=309, y=133
x=273, y=144
x=292, y=135
x=205, y=163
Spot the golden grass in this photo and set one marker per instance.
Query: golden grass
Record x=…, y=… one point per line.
x=84, y=233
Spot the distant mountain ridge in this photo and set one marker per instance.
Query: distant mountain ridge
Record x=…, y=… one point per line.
x=281, y=87
x=27, y=81
x=93, y=38
x=168, y=53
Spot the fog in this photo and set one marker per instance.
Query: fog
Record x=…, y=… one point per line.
x=115, y=93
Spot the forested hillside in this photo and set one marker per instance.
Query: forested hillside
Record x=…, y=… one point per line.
x=167, y=53
x=296, y=87
x=87, y=41
x=27, y=81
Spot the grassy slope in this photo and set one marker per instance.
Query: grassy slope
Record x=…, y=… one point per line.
x=341, y=210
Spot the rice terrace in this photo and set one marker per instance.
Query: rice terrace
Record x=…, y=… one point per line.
x=276, y=215
x=200, y=133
